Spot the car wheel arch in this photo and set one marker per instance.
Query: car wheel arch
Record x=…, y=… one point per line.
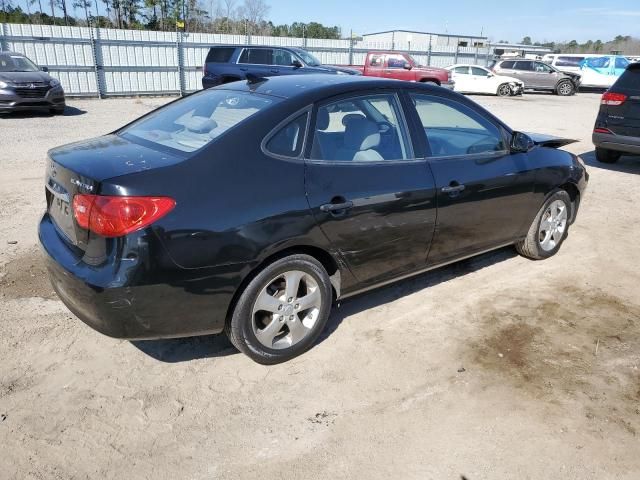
x=327, y=259
x=430, y=80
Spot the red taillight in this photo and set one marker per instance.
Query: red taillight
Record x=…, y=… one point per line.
x=602, y=130
x=610, y=98
x=116, y=216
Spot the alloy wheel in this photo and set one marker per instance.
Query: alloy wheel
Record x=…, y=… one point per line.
x=552, y=225
x=286, y=310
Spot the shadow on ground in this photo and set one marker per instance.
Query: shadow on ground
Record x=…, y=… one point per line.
x=626, y=164
x=68, y=112
x=211, y=346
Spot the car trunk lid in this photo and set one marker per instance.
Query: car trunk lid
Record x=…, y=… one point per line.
x=83, y=167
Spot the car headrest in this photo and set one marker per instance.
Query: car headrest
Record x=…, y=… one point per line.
x=361, y=134
x=196, y=123
x=322, y=122
x=350, y=117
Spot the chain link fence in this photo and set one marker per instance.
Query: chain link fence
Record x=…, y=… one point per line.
x=104, y=62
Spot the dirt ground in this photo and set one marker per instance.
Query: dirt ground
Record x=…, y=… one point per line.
x=493, y=368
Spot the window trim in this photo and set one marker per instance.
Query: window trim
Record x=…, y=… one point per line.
x=275, y=130
x=439, y=158
x=402, y=121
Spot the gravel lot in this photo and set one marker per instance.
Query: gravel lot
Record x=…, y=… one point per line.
x=550, y=352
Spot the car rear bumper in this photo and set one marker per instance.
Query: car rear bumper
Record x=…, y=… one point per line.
x=135, y=299
x=11, y=102
x=617, y=143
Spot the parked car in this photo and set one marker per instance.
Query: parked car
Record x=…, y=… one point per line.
x=24, y=86
x=402, y=66
x=476, y=79
x=539, y=76
x=251, y=207
x=617, y=128
x=596, y=71
x=230, y=63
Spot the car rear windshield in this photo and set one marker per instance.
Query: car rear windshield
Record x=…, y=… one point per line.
x=220, y=54
x=193, y=122
x=630, y=79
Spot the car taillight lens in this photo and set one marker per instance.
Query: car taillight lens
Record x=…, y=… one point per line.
x=610, y=98
x=112, y=216
x=602, y=130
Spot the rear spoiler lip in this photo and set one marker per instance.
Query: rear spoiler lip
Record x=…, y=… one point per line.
x=549, y=141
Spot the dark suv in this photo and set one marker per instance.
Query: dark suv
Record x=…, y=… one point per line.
x=617, y=129
x=231, y=63
x=539, y=76
x=24, y=86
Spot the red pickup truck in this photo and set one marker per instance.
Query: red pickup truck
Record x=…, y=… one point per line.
x=402, y=66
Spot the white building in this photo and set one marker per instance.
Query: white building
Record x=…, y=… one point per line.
x=409, y=39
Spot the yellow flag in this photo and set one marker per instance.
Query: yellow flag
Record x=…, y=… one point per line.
x=179, y=24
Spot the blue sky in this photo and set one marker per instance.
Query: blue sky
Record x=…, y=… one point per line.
x=540, y=19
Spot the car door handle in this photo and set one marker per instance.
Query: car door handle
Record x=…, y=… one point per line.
x=453, y=188
x=336, y=207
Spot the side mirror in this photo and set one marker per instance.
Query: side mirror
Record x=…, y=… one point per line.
x=489, y=75
x=45, y=69
x=407, y=66
x=521, y=143
x=297, y=63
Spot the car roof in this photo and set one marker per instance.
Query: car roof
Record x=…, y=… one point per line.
x=11, y=54
x=315, y=86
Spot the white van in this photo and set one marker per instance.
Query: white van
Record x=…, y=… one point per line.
x=598, y=71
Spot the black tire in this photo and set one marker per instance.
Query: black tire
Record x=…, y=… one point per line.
x=607, y=156
x=530, y=246
x=239, y=327
x=504, y=90
x=565, y=88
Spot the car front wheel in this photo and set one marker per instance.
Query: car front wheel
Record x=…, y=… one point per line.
x=504, y=90
x=565, y=88
x=607, y=156
x=549, y=228
x=282, y=311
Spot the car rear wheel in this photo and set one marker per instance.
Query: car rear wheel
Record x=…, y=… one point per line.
x=607, y=156
x=565, y=88
x=504, y=90
x=549, y=228
x=282, y=311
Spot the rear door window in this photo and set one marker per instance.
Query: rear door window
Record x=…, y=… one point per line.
x=288, y=140
x=525, y=66
x=461, y=70
x=257, y=56
x=478, y=72
x=508, y=64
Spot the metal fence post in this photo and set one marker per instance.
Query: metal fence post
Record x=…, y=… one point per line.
x=3, y=38
x=180, y=53
x=429, y=53
x=97, y=62
x=455, y=60
x=475, y=58
x=351, y=48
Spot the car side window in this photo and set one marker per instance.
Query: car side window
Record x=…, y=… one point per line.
x=461, y=70
x=367, y=128
x=508, y=64
x=478, y=72
x=543, y=68
x=376, y=61
x=453, y=129
x=289, y=139
x=257, y=56
x=622, y=62
x=526, y=66
x=282, y=58
x=395, y=61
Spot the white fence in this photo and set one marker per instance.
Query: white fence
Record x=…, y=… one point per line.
x=107, y=62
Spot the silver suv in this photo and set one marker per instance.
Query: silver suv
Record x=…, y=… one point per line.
x=539, y=76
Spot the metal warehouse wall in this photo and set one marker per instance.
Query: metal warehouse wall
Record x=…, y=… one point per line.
x=107, y=62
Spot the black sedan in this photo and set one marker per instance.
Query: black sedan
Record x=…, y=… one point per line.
x=253, y=206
